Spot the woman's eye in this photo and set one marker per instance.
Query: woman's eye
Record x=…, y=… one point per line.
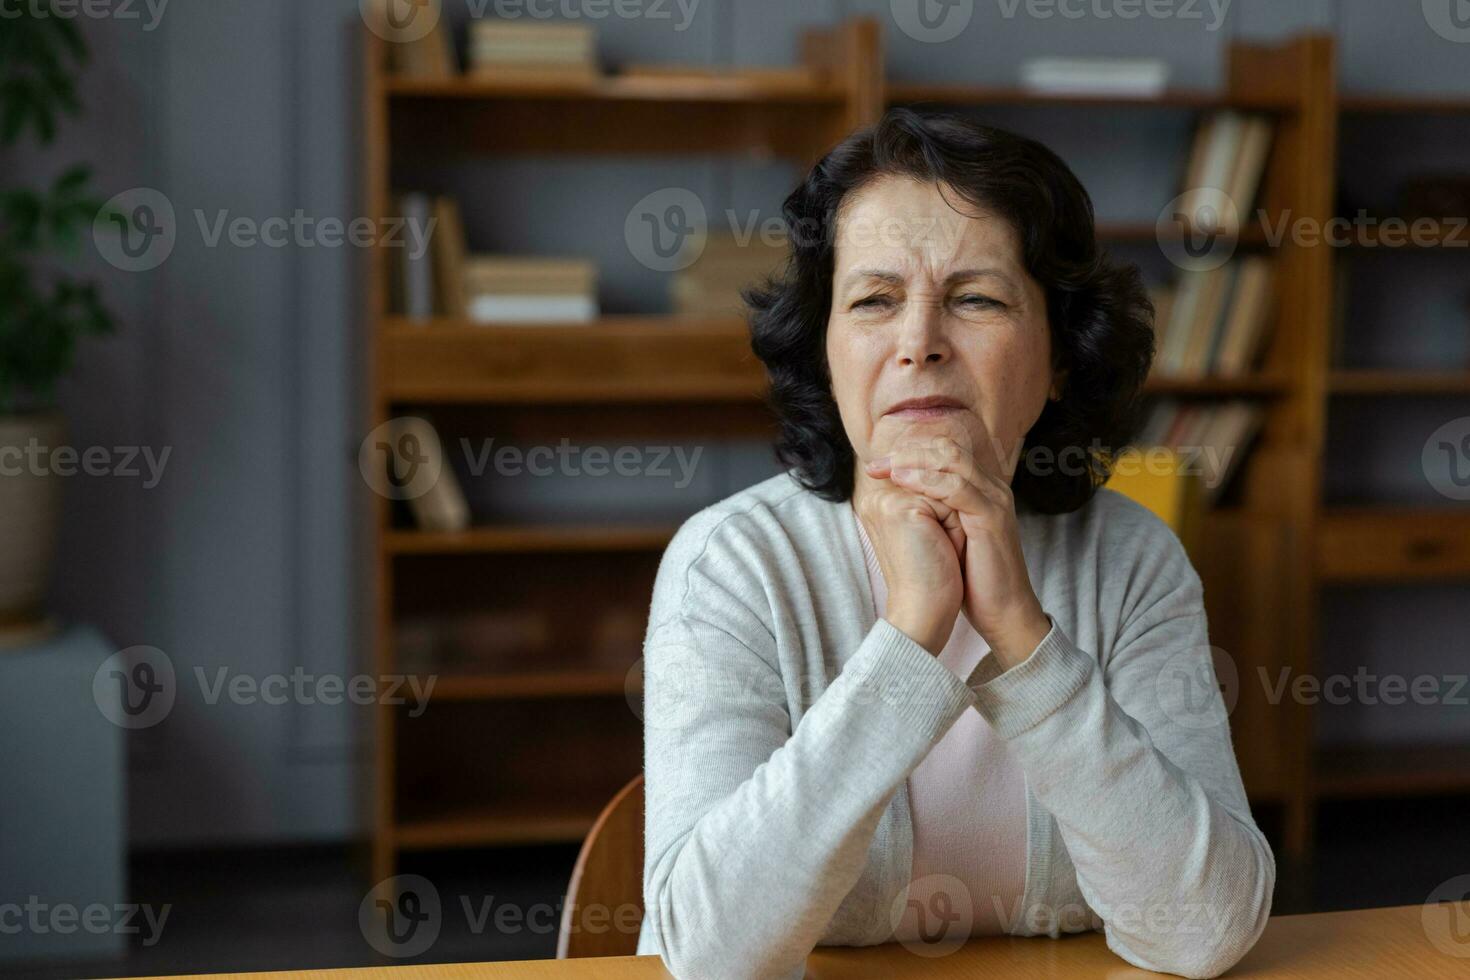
x=978, y=301
x=871, y=302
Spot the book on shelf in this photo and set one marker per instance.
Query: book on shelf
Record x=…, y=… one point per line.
x=448, y=247
x=428, y=282
x=1227, y=155
x=1214, y=322
x=710, y=286
x=1211, y=438
x=431, y=56
x=513, y=50
x=414, y=269
x=530, y=289
x=442, y=507
x=1142, y=77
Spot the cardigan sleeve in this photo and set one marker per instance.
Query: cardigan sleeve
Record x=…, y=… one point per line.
x=755, y=832
x=1134, y=761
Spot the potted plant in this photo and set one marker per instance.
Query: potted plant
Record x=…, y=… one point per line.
x=44, y=306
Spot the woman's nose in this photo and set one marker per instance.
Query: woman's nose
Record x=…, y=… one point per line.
x=922, y=338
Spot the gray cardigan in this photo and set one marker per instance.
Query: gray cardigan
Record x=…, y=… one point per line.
x=782, y=719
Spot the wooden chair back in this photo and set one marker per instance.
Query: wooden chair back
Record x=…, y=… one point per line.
x=604, y=904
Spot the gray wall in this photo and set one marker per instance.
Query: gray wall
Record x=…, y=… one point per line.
x=245, y=362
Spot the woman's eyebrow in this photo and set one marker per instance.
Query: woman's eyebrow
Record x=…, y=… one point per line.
x=978, y=273
x=882, y=275
x=896, y=279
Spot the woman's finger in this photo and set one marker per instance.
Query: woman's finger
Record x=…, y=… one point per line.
x=948, y=488
x=943, y=454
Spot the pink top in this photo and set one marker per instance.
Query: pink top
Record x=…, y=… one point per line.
x=968, y=800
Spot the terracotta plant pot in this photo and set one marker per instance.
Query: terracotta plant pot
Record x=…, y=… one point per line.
x=30, y=505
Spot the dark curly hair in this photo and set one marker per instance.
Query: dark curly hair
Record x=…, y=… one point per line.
x=1099, y=312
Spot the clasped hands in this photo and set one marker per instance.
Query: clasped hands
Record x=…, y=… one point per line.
x=944, y=529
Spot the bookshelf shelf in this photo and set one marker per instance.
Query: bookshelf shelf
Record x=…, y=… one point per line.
x=737, y=89
x=1393, y=544
x=619, y=359
x=1251, y=235
x=526, y=821
x=1419, y=235
x=1426, y=105
x=1398, y=383
x=1347, y=771
x=904, y=93
x=531, y=685
x=511, y=539
x=1261, y=385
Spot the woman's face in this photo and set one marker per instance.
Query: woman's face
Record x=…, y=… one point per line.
x=931, y=303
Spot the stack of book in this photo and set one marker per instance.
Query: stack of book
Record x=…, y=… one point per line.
x=1140, y=77
x=1228, y=155
x=710, y=286
x=530, y=289
x=428, y=257
x=1214, y=322
x=1212, y=439
x=516, y=51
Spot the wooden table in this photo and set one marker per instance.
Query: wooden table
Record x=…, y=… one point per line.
x=1414, y=942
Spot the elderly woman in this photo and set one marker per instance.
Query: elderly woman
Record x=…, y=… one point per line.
x=952, y=363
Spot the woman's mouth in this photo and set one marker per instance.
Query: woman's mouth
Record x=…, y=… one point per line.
x=929, y=407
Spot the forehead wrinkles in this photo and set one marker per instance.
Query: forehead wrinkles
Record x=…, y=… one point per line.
x=930, y=238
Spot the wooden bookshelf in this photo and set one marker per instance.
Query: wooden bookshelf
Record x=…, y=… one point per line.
x=1392, y=545
x=560, y=732
x=1261, y=557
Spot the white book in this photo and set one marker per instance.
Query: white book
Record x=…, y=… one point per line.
x=532, y=309
x=1096, y=76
